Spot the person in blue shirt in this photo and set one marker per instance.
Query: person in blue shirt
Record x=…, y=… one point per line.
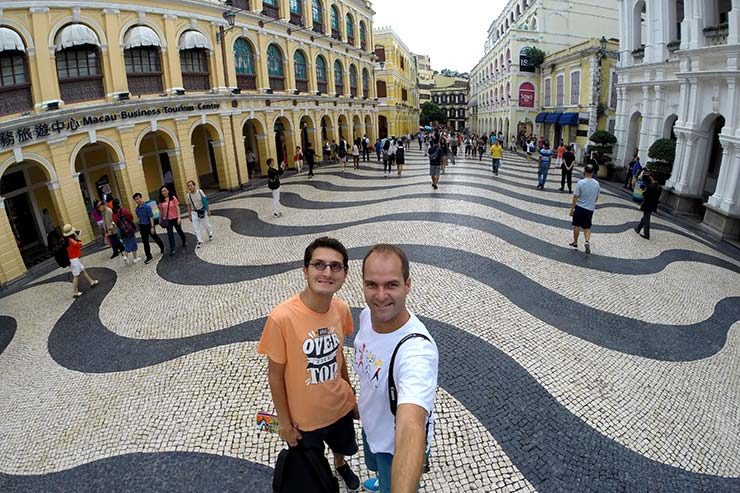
x=635, y=172
x=544, y=168
x=146, y=226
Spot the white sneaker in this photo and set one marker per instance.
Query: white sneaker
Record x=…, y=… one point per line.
x=137, y=260
x=210, y=237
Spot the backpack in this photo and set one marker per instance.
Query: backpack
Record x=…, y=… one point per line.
x=126, y=227
x=305, y=470
x=59, y=252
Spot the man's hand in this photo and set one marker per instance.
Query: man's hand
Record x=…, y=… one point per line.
x=571, y=211
x=290, y=434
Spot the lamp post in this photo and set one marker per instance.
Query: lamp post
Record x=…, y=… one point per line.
x=230, y=17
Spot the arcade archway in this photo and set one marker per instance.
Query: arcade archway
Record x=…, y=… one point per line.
x=157, y=151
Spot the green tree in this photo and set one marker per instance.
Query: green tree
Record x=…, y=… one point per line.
x=535, y=56
x=663, y=151
x=431, y=112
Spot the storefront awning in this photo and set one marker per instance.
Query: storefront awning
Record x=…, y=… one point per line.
x=540, y=118
x=139, y=36
x=553, y=117
x=76, y=35
x=10, y=41
x=193, y=39
x=568, y=119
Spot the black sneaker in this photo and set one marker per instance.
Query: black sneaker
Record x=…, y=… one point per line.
x=588, y=248
x=350, y=478
x=148, y=260
x=574, y=244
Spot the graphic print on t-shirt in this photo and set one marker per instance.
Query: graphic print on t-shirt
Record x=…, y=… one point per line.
x=321, y=349
x=367, y=363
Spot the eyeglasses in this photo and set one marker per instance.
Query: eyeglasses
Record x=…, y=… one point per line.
x=334, y=266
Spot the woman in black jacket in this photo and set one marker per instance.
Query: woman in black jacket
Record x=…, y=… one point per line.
x=650, y=198
x=273, y=183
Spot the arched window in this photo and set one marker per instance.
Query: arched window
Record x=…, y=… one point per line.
x=338, y=77
x=194, y=48
x=246, y=76
x=365, y=83
x=271, y=8
x=363, y=36
x=275, y=68
x=301, y=71
x=317, y=14
x=335, y=33
x=15, y=84
x=141, y=54
x=296, y=12
x=321, y=80
x=350, y=27
x=78, y=64
x=353, y=81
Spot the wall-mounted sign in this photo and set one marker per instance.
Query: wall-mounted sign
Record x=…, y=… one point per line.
x=524, y=64
x=526, y=95
x=23, y=135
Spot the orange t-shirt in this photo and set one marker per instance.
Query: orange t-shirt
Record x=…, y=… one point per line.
x=310, y=345
x=561, y=152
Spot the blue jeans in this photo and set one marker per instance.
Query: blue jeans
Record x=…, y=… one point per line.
x=379, y=464
x=542, y=174
x=496, y=164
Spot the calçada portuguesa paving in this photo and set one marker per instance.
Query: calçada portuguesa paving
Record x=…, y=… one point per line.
x=559, y=371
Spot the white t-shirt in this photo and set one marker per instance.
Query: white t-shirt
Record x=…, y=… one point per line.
x=415, y=373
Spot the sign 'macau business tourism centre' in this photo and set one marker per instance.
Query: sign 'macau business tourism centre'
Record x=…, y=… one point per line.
x=49, y=128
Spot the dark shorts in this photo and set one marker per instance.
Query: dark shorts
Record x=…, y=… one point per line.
x=434, y=170
x=339, y=436
x=582, y=217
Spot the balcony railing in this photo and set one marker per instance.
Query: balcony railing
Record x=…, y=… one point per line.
x=145, y=83
x=246, y=82
x=196, y=82
x=639, y=53
x=318, y=27
x=674, y=45
x=301, y=85
x=351, y=40
x=277, y=83
x=16, y=99
x=83, y=89
x=336, y=35
x=270, y=10
x=716, y=35
x=363, y=45
x=339, y=89
x=296, y=19
x=322, y=87
x=353, y=91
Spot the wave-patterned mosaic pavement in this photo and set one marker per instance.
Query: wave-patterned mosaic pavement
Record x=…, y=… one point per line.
x=618, y=371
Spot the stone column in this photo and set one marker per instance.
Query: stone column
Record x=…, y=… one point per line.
x=11, y=262
x=216, y=58
x=733, y=37
x=260, y=60
x=65, y=192
x=289, y=68
x=171, y=62
x=227, y=160
x=134, y=171
x=723, y=198
x=114, y=68
x=643, y=141
x=182, y=159
x=45, y=60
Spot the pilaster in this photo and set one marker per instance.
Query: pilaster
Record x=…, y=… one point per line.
x=171, y=62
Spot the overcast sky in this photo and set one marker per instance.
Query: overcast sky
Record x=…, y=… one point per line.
x=452, y=33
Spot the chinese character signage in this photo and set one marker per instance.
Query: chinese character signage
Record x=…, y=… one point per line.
x=22, y=135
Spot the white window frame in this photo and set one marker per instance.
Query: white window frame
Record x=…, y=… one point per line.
x=548, y=91
x=575, y=75
x=560, y=96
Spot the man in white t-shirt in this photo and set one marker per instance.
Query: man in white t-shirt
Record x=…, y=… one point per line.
x=395, y=447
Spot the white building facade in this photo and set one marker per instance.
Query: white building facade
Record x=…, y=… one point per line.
x=504, y=90
x=679, y=78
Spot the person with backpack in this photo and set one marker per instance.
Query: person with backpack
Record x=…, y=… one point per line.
x=397, y=364
x=73, y=249
x=365, y=149
x=146, y=226
x=273, y=183
x=303, y=339
x=650, y=199
x=569, y=160
x=435, y=154
x=310, y=159
x=379, y=149
x=544, y=168
x=400, y=159
x=199, y=212
x=127, y=230
x=110, y=229
x=386, y=157
x=169, y=218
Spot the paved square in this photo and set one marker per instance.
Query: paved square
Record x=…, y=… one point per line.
x=616, y=371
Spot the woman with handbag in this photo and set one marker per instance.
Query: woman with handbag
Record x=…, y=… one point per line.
x=169, y=217
x=273, y=183
x=127, y=230
x=199, y=212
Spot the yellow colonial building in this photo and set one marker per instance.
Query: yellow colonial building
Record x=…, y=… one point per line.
x=110, y=98
x=579, y=93
x=397, y=85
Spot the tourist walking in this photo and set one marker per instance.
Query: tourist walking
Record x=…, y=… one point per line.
x=146, y=227
x=199, y=213
x=273, y=183
x=251, y=163
x=386, y=157
x=365, y=149
x=582, y=209
x=378, y=149
x=310, y=159
x=530, y=149
x=111, y=231
x=400, y=159
x=560, y=152
x=497, y=153
x=74, y=252
x=566, y=168
x=650, y=199
x=97, y=217
x=356, y=154
x=444, y=150
x=544, y=168
x=127, y=230
x=303, y=339
x=435, y=158
x=396, y=400
x=169, y=218
x=298, y=159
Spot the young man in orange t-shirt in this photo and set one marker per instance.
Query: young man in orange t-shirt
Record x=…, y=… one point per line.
x=304, y=340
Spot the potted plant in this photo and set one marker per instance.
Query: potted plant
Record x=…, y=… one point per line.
x=604, y=141
x=662, y=153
